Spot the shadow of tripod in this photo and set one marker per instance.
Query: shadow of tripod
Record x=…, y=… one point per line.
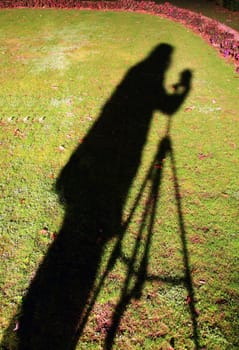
x=140, y=273
x=137, y=274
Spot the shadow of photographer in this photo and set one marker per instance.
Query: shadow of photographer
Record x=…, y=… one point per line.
x=93, y=186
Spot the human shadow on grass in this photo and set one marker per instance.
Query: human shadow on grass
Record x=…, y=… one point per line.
x=94, y=186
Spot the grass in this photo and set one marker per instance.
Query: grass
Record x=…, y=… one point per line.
x=58, y=68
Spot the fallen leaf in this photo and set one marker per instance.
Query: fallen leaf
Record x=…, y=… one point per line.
x=225, y=195
x=202, y=281
x=202, y=156
x=197, y=313
x=195, y=239
x=16, y=327
x=221, y=301
x=43, y=231
x=233, y=145
x=158, y=166
x=18, y=133
x=54, y=235
x=189, y=109
x=61, y=148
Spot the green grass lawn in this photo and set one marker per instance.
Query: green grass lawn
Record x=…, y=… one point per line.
x=57, y=70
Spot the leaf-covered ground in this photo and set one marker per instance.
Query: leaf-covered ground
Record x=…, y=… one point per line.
x=210, y=9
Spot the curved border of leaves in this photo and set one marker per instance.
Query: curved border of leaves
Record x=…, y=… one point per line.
x=220, y=36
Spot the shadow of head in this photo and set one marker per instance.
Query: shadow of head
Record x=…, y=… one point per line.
x=160, y=57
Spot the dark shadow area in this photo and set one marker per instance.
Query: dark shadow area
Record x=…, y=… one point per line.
x=136, y=277
x=94, y=186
